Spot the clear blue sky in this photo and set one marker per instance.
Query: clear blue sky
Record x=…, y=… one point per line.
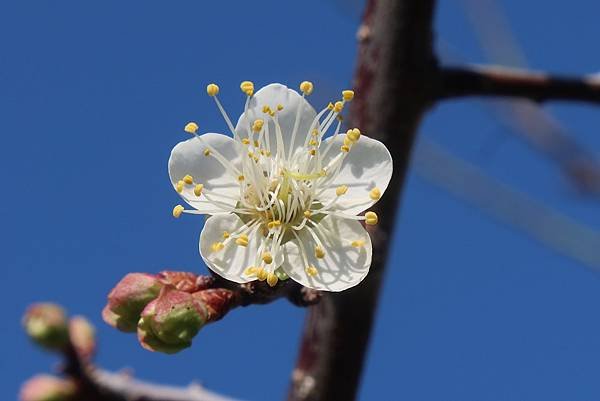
x=93, y=96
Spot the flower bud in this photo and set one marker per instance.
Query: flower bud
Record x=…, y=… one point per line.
x=217, y=301
x=46, y=324
x=47, y=388
x=183, y=281
x=170, y=322
x=83, y=336
x=127, y=300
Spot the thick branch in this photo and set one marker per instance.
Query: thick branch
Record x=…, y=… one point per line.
x=510, y=82
x=394, y=85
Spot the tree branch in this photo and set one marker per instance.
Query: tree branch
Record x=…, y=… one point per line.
x=511, y=82
x=100, y=385
x=394, y=86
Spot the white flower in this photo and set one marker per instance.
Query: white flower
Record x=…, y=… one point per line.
x=282, y=199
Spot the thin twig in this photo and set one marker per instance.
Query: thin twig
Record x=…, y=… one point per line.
x=498, y=81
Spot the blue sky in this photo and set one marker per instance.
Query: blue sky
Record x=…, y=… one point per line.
x=93, y=98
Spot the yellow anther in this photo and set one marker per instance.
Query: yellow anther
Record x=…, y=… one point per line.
x=371, y=218
x=207, y=152
x=312, y=152
x=241, y=178
x=306, y=87
x=279, y=107
x=226, y=234
x=177, y=210
x=247, y=87
x=314, y=132
x=273, y=224
x=267, y=258
x=347, y=141
x=341, y=190
x=322, y=173
x=188, y=179
x=258, y=124
x=353, y=134
x=268, y=153
x=307, y=214
x=266, y=109
x=375, y=193
x=345, y=148
x=217, y=246
x=179, y=186
x=348, y=95
x=312, y=142
x=250, y=155
x=256, y=143
x=338, y=106
x=261, y=274
x=191, y=127
x=250, y=270
x=242, y=240
x=245, y=141
x=330, y=106
x=212, y=89
x=319, y=252
x=198, y=189
x=311, y=271
x=358, y=243
x=272, y=279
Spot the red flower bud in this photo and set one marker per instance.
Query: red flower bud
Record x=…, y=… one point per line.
x=217, y=301
x=129, y=297
x=47, y=388
x=170, y=322
x=83, y=336
x=46, y=324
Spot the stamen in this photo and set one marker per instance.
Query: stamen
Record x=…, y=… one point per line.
x=319, y=252
x=179, y=186
x=188, y=179
x=375, y=194
x=267, y=258
x=250, y=270
x=348, y=95
x=247, y=87
x=272, y=279
x=217, y=246
x=177, y=210
x=306, y=87
x=311, y=271
x=353, y=134
x=261, y=274
x=341, y=190
x=212, y=90
x=198, y=189
x=358, y=243
x=371, y=218
x=242, y=240
x=191, y=127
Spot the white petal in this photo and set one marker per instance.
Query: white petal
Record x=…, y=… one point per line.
x=273, y=95
x=231, y=261
x=366, y=166
x=188, y=157
x=343, y=266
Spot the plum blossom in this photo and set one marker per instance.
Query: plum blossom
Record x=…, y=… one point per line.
x=284, y=197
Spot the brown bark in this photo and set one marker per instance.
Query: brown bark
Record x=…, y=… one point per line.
x=512, y=82
x=394, y=84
